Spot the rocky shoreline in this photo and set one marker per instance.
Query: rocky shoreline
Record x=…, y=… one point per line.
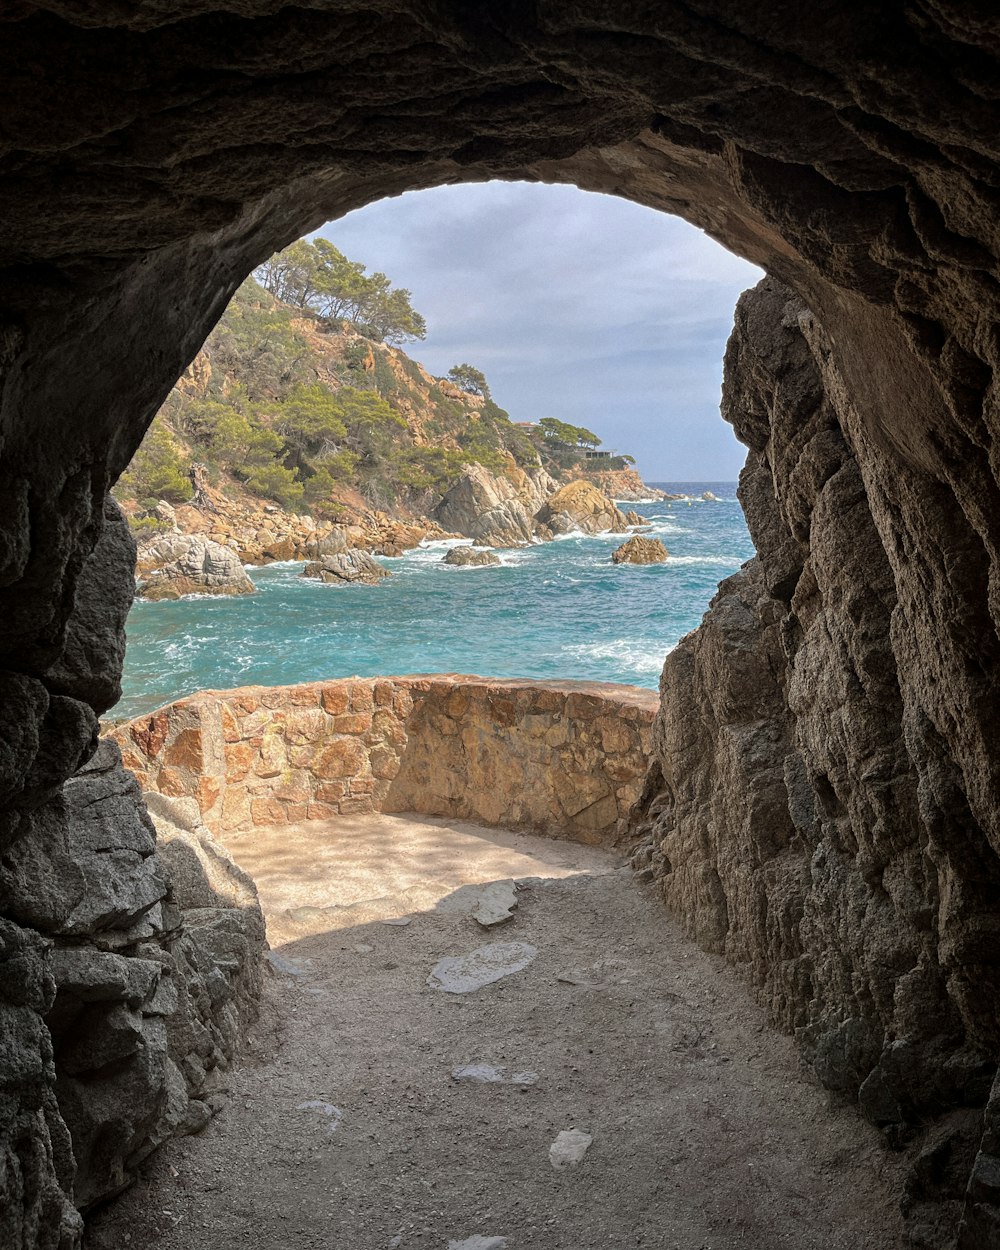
x=202, y=547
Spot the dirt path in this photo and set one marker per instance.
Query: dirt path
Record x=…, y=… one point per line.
x=354, y=1128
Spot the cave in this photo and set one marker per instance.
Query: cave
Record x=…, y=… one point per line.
x=824, y=802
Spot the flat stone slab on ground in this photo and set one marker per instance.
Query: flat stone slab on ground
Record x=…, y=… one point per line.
x=569, y=1148
x=462, y=974
x=479, y=1243
x=487, y=1074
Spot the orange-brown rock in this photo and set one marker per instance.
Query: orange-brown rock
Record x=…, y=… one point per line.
x=578, y=506
x=640, y=550
x=567, y=758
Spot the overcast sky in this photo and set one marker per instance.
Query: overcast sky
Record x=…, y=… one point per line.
x=576, y=306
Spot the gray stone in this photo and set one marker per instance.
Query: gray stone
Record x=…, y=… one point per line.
x=94, y=651
x=487, y=1074
x=463, y=974
x=495, y=904
x=352, y=567
x=569, y=1148
x=328, y=544
x=174, y=565
x=470, y=557
x=492, y=509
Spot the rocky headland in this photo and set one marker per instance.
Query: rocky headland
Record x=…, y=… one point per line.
x=294, y=436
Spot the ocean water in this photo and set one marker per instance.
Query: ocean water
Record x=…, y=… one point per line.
x=553, y=610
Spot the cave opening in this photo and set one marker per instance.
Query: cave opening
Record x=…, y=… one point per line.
x=855, y=161
x=585, y=311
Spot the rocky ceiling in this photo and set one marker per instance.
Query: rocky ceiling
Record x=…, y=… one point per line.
x=152, y=153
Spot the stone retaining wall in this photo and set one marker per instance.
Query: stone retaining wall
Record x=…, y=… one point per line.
x=567, y=759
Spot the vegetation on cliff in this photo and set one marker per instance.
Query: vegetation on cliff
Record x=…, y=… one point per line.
x=302, y=396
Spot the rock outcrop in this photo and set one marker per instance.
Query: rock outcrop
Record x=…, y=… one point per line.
x=174, y=565
x=624, y=485
x=639, y=550
x=151, y=980
x=579, y=506
x=347, y=568
x=805, y=815
x=492, y=510
x=470, y=557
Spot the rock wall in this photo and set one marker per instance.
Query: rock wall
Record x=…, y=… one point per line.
x=814, y=812
x=122, y=989
x=566, y=759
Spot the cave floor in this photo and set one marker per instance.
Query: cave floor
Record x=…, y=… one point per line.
x=350, y=1126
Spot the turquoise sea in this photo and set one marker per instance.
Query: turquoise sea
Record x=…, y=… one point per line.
x=554, y=610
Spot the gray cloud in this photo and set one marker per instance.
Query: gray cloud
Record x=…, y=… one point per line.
x=578, y=306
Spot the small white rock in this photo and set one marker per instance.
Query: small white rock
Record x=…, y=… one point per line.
x=484, y=1073
x=569, y=1148
x=334, y=1114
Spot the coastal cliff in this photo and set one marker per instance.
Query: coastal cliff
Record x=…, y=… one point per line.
x=291, y=429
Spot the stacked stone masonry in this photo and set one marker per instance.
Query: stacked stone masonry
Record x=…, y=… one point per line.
x=566, y=759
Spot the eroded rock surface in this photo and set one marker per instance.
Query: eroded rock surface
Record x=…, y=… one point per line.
x=639, y=550
x=154, y=975
x=174, y=565
x=494, y=510
x=579, y=506
x=347, y=568
x=807, y=813
x=470, y=557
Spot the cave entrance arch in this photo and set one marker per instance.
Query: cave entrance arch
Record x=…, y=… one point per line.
x=585, y=307
x=854, y=160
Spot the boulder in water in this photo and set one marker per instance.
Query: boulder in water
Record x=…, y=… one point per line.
x=329, y=544
x=174, y=565
x=467, y=557
x=345, y=568
x=579, y=506
x=639, y=550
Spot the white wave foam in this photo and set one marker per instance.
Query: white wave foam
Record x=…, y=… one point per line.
x=722, y=562
x=441, y=544
x=657, y=526
x=641, y=656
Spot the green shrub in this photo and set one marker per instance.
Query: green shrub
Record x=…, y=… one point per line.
x=157, y=471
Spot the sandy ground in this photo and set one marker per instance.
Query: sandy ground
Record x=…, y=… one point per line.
x=347, y=1128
